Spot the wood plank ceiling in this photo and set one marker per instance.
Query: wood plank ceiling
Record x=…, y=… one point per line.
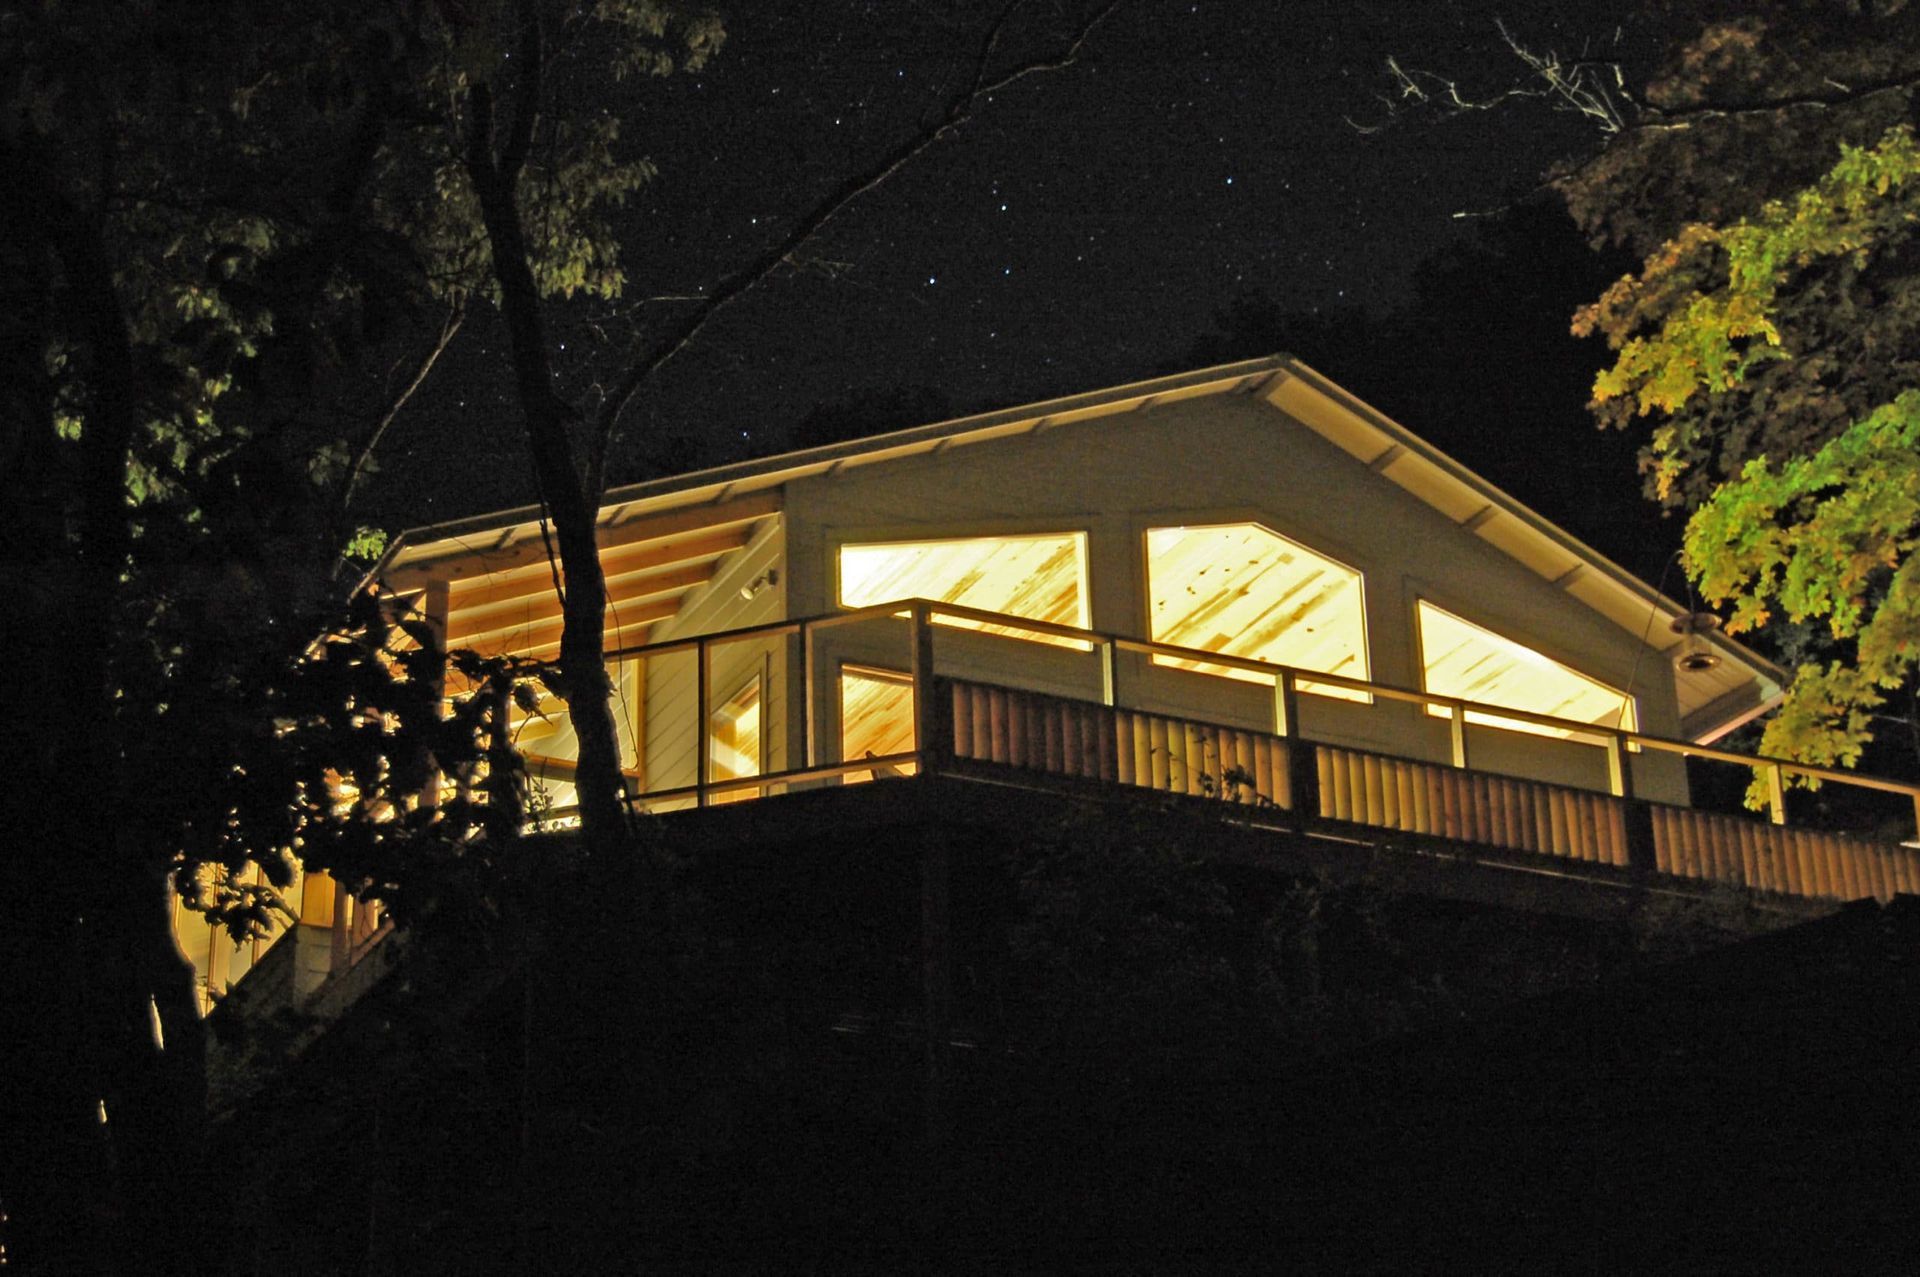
x=501, y=599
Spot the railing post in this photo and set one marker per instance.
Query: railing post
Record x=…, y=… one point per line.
x=925, y=719
x=1457, y=734
x=1777, y=794
x=1109, y=674
x=810, y=707
x=1619, y=768
x=1303, y=768
x=1637, y=817
x=702, y=729
x=1286, y=705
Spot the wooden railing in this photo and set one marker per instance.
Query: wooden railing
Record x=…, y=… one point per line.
x=1111, y=742
x=1471, y=807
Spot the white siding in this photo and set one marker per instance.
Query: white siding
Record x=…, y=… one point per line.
x=1224, y=459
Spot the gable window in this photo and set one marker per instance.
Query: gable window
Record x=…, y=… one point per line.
x=1243, y=590
x=1462, y=660
x=1041, y=577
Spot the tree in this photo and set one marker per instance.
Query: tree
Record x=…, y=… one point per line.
x=235, y=250
x=1764, y=173
x=1820, y=519
x=1770, y=336
x=505, y=106
x=217, y=232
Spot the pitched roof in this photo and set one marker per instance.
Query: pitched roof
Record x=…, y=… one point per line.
x=1712, y=702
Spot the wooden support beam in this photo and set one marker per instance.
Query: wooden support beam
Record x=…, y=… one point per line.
x=539, y=637
x=467, y=562
x=532, y=609
x=537, y=579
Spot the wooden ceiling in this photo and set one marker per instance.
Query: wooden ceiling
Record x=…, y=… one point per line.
x=500, y=598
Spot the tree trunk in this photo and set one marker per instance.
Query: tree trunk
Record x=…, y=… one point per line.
x=89, y=944
x=573, y=507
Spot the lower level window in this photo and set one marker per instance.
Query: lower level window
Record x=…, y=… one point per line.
x=737, y=740
x=876, y=718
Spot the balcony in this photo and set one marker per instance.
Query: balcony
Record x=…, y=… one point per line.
x=928, y=688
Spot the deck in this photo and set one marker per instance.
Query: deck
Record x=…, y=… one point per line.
x=962, y=686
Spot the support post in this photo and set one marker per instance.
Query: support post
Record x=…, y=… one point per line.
x=1303, y=765
x=1286, y=704
x=810, y=718
x=1637, y=817
x=1109, y=674
x=925, y=716
x=936, y=982
x=702, y=729
x=1777, y=794
x=1619, y=767
x=1457, y=734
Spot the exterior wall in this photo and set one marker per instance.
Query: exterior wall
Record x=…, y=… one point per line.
x=670, y=693
x=1220, y=460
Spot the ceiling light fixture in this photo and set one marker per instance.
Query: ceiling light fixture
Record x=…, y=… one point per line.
x=1695, y=656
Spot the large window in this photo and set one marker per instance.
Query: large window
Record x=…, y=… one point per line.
x=1242, y=590
x=1041, y=577
x=1462, y=660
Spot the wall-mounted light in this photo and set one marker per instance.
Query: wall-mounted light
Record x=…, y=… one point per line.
x=1695, y=655
x=752, y=588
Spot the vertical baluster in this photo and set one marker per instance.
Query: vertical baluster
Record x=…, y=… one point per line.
x=1054, y=747
x=1334, y=784
x=1324, y=775
x=962, y=722
x=1372, y=792
x=1110, y=751
x=1560, y=836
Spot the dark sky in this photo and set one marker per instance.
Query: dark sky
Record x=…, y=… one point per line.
x=1079, y=232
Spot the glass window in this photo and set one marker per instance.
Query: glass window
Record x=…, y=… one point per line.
x=876, y=716
x=1042, y=577
x=1243, y=590
x=736, y=736
x=1462, y=660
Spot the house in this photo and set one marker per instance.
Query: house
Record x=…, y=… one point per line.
x=1236, y=584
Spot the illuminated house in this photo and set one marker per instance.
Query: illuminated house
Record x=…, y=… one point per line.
x=1238, y=584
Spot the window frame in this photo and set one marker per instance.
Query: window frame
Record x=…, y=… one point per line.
x=1424, y=599
x=1232, y=519
x=1079, y=534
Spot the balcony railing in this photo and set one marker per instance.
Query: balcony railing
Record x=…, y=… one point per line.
x=1102, y=715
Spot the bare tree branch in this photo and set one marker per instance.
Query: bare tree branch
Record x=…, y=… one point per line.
x=958, y=109
x=1843, y=95
x=456, y=315
x=1597, y=89
x=1590, y=87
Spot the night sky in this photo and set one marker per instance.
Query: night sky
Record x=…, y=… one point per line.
x=1081, y=231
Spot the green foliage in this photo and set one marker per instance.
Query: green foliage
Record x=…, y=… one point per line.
x=282, y=213
x=1821, y=526
x=1701, y=315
